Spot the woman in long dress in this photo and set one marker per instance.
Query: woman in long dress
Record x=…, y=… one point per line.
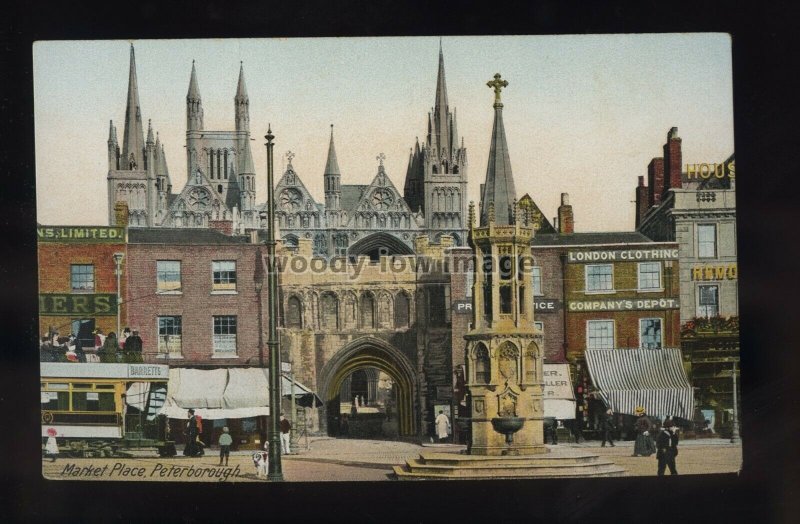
x=442, y=426
x=644, y=443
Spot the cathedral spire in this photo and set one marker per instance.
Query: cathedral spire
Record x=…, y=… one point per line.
x=441, y=110
x=149, y=131
x=332, y=177
x=133, y=138
x=242, y=103
x=498, y=190
x=194, y=104
x=247, y=160
x=332, y=165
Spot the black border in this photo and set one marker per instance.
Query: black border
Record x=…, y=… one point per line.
x=765, y=98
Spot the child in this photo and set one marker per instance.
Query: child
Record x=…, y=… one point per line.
x=225, y=442
x=51, y=448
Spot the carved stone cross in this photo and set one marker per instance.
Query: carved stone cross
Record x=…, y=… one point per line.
x=497, y=84
x=380, y=158
x=289, y=157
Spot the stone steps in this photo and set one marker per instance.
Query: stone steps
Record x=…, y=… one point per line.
x=462, y=467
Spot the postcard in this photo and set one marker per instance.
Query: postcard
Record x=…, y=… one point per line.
x=387, y=259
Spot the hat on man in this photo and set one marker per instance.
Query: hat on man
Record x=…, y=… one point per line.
x=669, y=423
x=191, y=411
x=639, y=410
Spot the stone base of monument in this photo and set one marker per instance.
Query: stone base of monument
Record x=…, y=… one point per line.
x=561, y=463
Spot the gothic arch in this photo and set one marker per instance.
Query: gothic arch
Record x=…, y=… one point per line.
x=482, y=364
x=380, y=243
x=294, y=312
x=371, y=352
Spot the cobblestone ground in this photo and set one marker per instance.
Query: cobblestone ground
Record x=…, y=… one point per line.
x=357, y=460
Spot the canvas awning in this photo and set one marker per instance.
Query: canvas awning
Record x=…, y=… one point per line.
x=559, y=396
x=227, y=393
x=651, y=378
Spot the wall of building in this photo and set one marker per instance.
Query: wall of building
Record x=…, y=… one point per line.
x=55, y=285
x=196, y=303
x=549, y=307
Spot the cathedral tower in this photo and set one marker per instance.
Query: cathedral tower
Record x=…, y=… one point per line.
x=436, y=179
x=503, y=356
x=131, y=165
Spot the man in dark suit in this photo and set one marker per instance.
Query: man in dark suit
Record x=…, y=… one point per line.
x=607, y=426
x=667, y=448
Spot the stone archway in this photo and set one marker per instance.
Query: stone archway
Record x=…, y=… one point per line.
x=370, y=352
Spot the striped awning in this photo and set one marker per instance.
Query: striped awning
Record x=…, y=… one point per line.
x=651, y=378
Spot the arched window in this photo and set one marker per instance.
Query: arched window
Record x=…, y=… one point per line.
x=530, y=362
x=483, y=366
x=294, y=313
x=402, y=311
x=367, y=310
x=226, y=164
x=329, y=311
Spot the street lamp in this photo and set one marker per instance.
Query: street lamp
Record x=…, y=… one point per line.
x=118, y=271
x=275, y=472
x=735, y=421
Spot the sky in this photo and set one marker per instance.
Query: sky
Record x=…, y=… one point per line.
x=583, y=114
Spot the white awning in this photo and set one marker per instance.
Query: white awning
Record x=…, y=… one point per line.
x=217, y=393
x=559, y=408
x=651, y=378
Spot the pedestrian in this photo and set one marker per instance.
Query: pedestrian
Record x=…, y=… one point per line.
x=442, y=426
x=124, y=337
x=607, y=426
x=108, y=353
x=99, y=339
x=225, y=442
x=286, y=428
x=134, y=342
x=51, y=447
x=191, y=435
x=667, y=446
x=644, y=443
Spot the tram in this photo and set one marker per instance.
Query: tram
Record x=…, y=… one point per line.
x=104, y=409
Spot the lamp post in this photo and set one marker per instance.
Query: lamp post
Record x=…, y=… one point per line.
x=118, y=271
x=735, y=421
x=275, y=472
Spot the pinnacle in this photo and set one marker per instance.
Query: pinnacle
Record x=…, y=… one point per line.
x=241, y=89
x=194, y=89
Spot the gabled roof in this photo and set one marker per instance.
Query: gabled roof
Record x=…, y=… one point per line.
x=351, y=195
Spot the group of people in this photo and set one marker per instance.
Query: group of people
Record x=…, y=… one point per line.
x=195, y=446
x=55, y=348
x=666, y=441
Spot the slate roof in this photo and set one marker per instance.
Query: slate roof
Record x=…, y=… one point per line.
x=163, y=235
x=351, y=195
x=581, y=239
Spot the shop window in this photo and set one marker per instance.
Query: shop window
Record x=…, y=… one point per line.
x=600, y=334
x=707, y=240
x=225, y=334
x=650, y=333
x=168, y=274
x=708, y=301
x=599, y=277
x=649, y=275
x=169, y=335
x=223, y=275
x=537, y=281
x=82, y=277
x=294, y=313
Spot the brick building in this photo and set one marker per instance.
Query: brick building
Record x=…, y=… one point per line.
x=77, y=280
x=697, y=210
x=192, y=295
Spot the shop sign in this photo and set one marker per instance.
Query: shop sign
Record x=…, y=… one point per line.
x=557, y=383
x=57, y=304
x=81, y=234
x=623, y=304
x=721, y=272
x=462, y=307
x=148, y=371
x=707, y=170
x=623, y=255
x=546, y=305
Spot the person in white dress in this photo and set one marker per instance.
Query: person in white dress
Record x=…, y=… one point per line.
x=442, y=426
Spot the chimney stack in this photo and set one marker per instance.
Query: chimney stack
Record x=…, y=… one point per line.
x=566, y=221
x=641, y=201
x=655, y=181
x=672, y=161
